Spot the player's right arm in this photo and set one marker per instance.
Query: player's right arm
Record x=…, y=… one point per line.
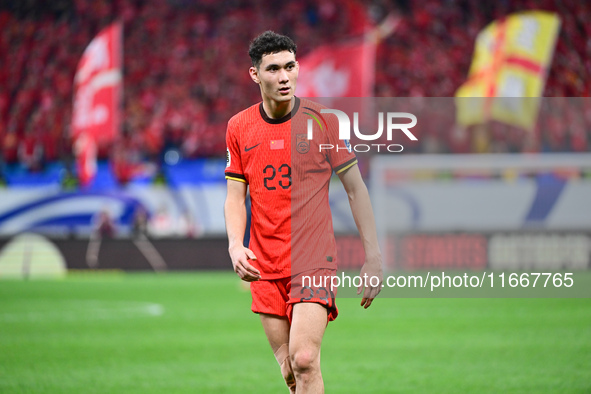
x=235, y=213
x=235, y=207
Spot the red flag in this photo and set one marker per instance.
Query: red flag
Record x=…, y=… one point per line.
x=97, y=91
x=343, y=70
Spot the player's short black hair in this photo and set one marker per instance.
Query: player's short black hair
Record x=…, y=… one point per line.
x=267, y=43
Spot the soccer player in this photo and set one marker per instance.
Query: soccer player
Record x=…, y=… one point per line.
x=291, y=226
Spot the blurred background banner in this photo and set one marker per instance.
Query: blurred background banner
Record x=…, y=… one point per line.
x=511, y=59
x=98, y=85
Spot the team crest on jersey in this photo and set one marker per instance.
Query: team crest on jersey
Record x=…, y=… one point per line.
x=228, y=157
x=348, y=145
x=302, y=143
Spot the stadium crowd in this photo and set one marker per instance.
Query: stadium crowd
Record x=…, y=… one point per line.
x=185, y=67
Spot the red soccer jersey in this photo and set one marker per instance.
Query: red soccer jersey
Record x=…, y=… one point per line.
x=288, y=177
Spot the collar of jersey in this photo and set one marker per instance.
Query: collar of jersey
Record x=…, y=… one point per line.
x=284, y=119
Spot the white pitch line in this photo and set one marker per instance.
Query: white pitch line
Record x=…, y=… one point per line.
x=84, y=310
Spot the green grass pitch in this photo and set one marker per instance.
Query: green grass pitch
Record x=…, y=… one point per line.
x=194, y=333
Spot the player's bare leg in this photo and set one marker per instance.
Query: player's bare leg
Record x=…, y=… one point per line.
x=308, y=324
x=277, y=331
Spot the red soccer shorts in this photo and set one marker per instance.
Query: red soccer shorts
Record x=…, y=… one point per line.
x=277, y=297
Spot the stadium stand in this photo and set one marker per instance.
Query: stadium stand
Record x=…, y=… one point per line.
x=184, y=69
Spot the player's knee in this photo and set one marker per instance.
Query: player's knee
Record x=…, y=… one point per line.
x=304, y=360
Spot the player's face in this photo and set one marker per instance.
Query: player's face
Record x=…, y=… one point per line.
x=277, y=76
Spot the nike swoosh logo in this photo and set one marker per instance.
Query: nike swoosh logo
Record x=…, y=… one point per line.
x=246, y=149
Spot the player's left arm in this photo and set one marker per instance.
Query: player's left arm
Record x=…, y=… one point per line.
x=364, y=219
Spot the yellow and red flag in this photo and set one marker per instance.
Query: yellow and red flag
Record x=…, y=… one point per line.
x=511, y=60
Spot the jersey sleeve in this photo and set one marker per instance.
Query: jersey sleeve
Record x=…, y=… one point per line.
x=234, y=169
x=341, y=157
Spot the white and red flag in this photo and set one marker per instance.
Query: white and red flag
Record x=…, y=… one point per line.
x=98, y=87
x=341, y=70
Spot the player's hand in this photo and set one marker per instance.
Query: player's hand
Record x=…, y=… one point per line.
x=240, y=256
x=371, y=268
